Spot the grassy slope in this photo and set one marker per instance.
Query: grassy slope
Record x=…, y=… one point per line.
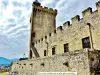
x=5, y=73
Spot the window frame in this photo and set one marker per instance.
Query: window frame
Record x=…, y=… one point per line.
x=53, y=50
x=66, y=47
x=86, y=42
x=45, y=53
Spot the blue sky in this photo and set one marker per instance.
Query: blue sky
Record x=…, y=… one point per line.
x=15, y=27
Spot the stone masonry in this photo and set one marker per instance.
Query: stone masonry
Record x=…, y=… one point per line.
x=82, y=62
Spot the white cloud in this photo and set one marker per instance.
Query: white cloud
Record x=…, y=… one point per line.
x=59, y=3
x=14, y=28
x=46, y=2
x=16, y=13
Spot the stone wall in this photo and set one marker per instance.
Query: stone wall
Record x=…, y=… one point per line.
x=69, y=62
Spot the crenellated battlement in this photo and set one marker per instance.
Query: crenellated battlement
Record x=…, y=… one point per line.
x=45, y=9
x=87, y=12
x=75, y=19
x=59, y=28
x=66, y=25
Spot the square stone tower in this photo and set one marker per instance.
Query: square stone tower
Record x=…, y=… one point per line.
x=43, y=22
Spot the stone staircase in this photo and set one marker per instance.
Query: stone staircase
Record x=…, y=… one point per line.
x=35, y=51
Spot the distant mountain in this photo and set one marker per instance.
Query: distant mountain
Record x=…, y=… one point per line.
x=6, y=62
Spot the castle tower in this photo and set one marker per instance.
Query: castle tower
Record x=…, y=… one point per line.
x=42, y=23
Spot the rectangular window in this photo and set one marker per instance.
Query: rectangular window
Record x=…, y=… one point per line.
x=45, y=52
x=66, y=48
x=86, y=42
x=53, y=51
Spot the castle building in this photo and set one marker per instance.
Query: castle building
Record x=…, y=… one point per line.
x=69, y=48
x=42, y=23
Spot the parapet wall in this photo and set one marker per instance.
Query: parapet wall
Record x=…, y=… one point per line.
x=69, y=62
x=78, y=61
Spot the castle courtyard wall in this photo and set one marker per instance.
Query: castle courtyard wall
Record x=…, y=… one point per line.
x=78, y=61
